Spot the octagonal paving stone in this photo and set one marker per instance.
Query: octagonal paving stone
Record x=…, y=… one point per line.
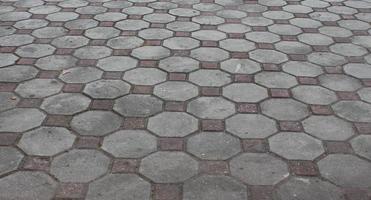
x=302, y=69
x=210, y=187
x=328, y=127
x=356, y=111
x=116, y=186
x=102, y=33
x=339, y=82
x=145, y=76
x=358, y=70
x=275, y=79
x=155, y=34
x=181, y=43
x=296, y=146
x=240, y=66
x=268, y=56
x=125, y=42
x=130, y=143
x=364, y=94
x=362, y=145
x=56, y=62
x=314, y=94
x=131, y=25
x=117, y=63
x=175, y=91
x=284, y=109
x=168, y=167
x=24, y=185
x=7, y=59
x=209, y=77
x=8, y=100
x=245, y=92
x=20, y=119
x=92, y=52
x=213, y=145
x=172, y=124
x=39, y=88
x=16, y=40
x=46, y=141
x=308, y=188
x=346, y=170
x=137, y=105
x=65, y=104
x=178, y=64
x=259, y=169
x=250, y=126
x=70, y=41
x=72, y=166
x=209, y=54
x=211, y=108
x=81, y=75
x=150, y=52
x=96, y=123
x=10, y=158
x=35, y=50
x=106, y=89
x=237, y=45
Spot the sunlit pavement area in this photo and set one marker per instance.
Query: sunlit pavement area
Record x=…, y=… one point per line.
x=185, y=99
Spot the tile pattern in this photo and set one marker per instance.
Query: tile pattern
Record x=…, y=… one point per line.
x=185, y=99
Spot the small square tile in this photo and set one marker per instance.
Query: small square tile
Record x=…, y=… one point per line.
x=7, y=87
x=48, y=74
x=214, y=167
x=303, y=168
x=36, y=163
x=171, y=144
x=8, y=138
x=102, y=104
x=210, y=91
x=243, y=78
x=58, y=120
x=290, y=126
x=347, y=95
x=73, y=87
x=134, y=123
x=125, y=166
x=321, y=110
x=71, y=190
x=307, y=80
x=212, y=125
x=255, y=145
x=338, y=147
x=112, y=75
x=363, y=128
x=174, y=106
x=262, y=192
x=177, y=76
x=142, y=89
x=279, y=93
x=247, y=108
x=88, y=142
x=167, y=192
x=29, y=103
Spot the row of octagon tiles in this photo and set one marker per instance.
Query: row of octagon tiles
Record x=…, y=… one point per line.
x=50, y=141
x=176, y=166
x=206, y=54
x=204, y=187
x=238, y=91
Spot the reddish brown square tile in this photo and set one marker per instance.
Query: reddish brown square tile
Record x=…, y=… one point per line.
x=167, y=192
x=125, y=166
x=88, y=142
x=303, y=168
x=255, y=145
x=214, y=167
x=212, y=125
x=171, y=144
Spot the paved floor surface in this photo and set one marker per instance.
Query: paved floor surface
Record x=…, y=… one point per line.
x=185, y=99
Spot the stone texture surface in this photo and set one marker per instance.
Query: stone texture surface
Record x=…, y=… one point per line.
x=259, y=169
x=185, y=99
x=72, y=166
